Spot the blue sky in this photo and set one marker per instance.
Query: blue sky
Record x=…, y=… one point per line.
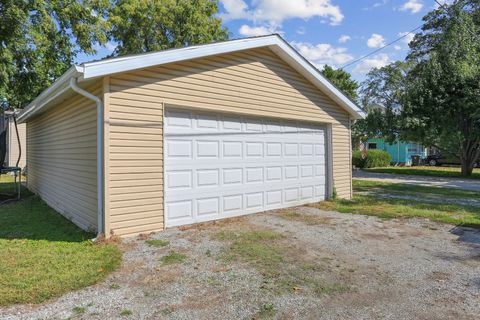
x=332, y=32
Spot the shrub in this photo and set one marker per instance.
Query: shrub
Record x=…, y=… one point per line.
x=375, y=158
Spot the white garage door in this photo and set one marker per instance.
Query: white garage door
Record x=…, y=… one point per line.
x=219, y=166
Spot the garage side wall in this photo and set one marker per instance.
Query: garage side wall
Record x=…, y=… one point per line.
x=61, y=158
x=254, y=82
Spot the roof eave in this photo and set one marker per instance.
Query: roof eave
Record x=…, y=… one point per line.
x=275, y=42
x=59, y=87
x=102, y=68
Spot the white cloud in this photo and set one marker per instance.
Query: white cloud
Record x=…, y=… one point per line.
x=344, y=38
x=274, y=12
x=248, y=31
x=380, y=3
x=376, y=5
x=408, y=37
x=397, y=47
x=110, y=46
x=301, y=30
x=376, y=41
x=442, y=2
x=413, y=6
x=323, y=53
x=237, y=9
x=367, y=64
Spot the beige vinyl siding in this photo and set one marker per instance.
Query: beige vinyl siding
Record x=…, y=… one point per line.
x=61, y=158
x=13, y=146
x=254, y=82
x=134, y=187
x=342, y=165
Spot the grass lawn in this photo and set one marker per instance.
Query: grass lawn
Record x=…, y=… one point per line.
x=449, y=172
x=43, y=255
x=369, y=199
x=285, y=268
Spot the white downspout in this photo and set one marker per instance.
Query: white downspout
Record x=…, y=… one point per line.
x=76, y=88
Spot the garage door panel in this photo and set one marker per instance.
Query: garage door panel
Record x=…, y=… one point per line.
x=220, y=166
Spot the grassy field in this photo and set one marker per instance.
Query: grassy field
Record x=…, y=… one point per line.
x=449, y=172
x=388, y=200
x=43, y=255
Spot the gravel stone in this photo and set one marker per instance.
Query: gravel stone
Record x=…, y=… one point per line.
x=394, y=269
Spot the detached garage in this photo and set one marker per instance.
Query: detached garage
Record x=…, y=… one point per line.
x=139, y=143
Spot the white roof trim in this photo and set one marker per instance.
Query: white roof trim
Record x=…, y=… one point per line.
x=105, y=67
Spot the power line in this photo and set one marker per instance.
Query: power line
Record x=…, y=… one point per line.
x=381, y=48
x=443, y=6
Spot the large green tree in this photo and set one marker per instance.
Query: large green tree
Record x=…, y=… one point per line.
x=342, y=80
x=381, y=92
x=147, y=25
x=441, y=105
x=39, y=40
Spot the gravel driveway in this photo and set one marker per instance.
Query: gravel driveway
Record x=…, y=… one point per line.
x=322, y=265
x=466, y=184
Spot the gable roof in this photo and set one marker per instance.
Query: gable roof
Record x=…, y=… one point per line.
x=101, y=68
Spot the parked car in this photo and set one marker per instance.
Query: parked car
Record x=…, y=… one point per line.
x=438, y=160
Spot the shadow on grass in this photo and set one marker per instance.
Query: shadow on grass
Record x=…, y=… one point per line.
x=441, y=172
x=31, y=218
x=400, y=208
x=382, y=187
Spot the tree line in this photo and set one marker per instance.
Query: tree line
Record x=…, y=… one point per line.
x=41, y=39
x=433, y=96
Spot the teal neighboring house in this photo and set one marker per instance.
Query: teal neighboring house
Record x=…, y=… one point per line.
x=401, y=152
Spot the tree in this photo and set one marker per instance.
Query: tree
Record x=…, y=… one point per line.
x=342, y=80
x=144, y=25
x=441, y=105
x=39, y=40
x=382, y=92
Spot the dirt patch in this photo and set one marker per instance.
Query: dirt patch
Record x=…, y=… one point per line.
x=308, y=219
x=309, y=264
x=439, y=276
x=285, y=266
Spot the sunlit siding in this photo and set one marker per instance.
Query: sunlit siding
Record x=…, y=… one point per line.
x=254, y=82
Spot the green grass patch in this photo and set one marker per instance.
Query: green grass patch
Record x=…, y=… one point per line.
x=254, y=247
x=322, y=289
x=410, y=189
x=7, y=188
x=173, y=258
x=157, y=243
x=449, y=172
x=388, y=208
x=126, y=313
x=43, y=255
x=79, y=310
x=267, y=311
x=273, y=256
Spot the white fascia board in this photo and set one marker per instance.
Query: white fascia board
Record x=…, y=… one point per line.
x=116, y=65
x=275, y=42
x=102, y=68
x=56, y=89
